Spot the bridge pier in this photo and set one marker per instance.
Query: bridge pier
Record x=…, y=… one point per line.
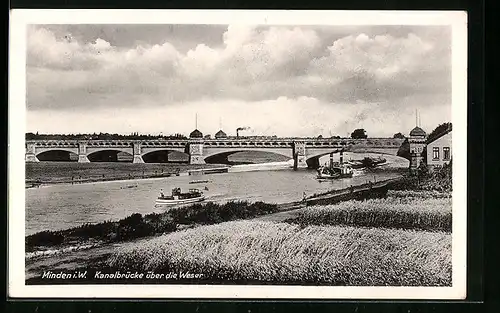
x=137, y=153
x=30, y=155
x=196, y=152
x=299, y=155
x=82, y=152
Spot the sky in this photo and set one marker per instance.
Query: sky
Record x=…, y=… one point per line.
x=275, y=80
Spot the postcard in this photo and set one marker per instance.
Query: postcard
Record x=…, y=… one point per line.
x=237, y=154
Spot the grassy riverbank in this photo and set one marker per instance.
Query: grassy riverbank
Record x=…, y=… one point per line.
x=401, y=239
x=397, y=241
x=410, y=247
x=283, y=253
x=420, y=213
x=72, y=172
x=138, y=226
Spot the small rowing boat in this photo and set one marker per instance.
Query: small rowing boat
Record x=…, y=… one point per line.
x=199, y=181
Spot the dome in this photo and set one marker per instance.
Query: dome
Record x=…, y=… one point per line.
x=220, y=134
x=196, y=134
x=417, y=132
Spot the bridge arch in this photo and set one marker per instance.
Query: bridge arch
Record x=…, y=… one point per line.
x=94, y=149
x=165, y=156
x=55, y=148
x=312, y=157
x=221, y=156
x=57, y=155
x=313, y=160
x=110, y=155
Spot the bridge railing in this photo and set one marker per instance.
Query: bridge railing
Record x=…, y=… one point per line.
x=258, y=139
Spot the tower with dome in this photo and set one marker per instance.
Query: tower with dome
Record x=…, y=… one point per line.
x=417, y=144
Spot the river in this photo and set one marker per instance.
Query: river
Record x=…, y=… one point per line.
x=58, y=207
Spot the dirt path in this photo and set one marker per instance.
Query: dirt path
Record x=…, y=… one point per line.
x=68, y=261
x=280, y=216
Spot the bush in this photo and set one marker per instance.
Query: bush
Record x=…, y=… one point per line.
x=212, y=213
x=439, y=179
x=45, y=238
x=136, y=226
x=133, y=226
x=88, y=231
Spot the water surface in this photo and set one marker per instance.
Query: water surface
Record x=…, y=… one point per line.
x=63, y=206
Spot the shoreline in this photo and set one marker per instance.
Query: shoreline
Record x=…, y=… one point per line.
x=105, y=180
x=269, y=166
x=87, y=256
x=37, y=183
x=332, y=196
x=190, y=170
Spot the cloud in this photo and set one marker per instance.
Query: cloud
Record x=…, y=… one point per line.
x=381, y=68
x=352, y=70
x=45, y=51
x=248, y=56
x=283, y=116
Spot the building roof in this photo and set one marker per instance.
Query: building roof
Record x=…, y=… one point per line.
x=196, y=134
x=440, y=135
x=220, y=134
x=417, y=131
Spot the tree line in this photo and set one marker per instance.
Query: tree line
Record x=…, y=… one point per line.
x=359, y=133
x=100, y=136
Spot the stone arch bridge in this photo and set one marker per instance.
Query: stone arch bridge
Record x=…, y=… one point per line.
x=304, y=151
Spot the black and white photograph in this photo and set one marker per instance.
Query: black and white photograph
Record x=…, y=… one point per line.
x=238, y=154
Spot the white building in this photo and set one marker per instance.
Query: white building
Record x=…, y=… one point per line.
x=439, y=150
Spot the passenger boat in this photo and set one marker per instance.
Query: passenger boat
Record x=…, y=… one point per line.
x=179, y=197
x=335, y=169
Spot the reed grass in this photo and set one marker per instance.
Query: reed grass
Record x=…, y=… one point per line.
x=282, y=253
x=418, y=194
x=409, y=212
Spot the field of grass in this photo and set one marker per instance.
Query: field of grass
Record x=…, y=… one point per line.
x=282, y=253
x=419, y=194
x=57, y=172
x=422, y=211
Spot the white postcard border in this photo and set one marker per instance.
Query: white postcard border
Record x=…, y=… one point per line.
x=16, y=150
